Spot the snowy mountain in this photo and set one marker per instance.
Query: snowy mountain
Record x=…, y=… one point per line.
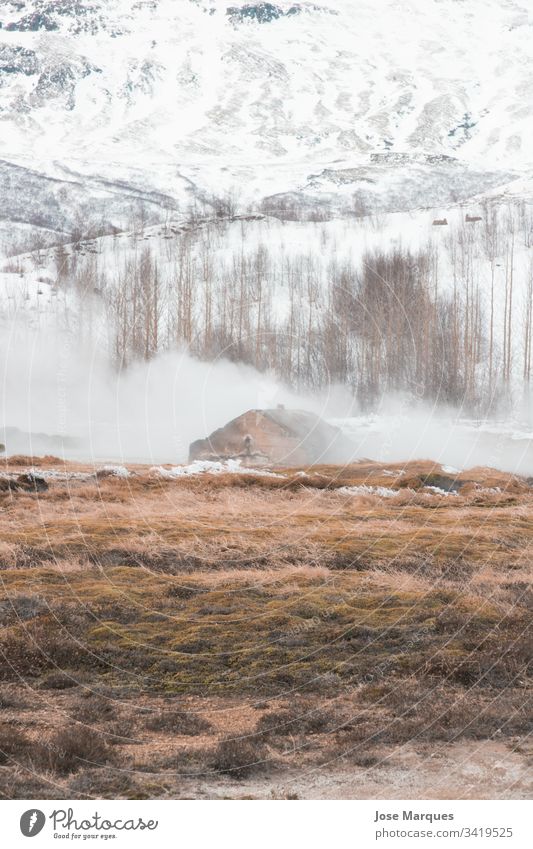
x=386, y=105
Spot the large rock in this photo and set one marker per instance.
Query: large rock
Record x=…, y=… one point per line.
x=25, y=483
x=277, y=437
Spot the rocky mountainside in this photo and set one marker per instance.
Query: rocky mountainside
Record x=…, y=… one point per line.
x=394, y=104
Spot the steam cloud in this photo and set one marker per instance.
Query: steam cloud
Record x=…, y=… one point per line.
x=59, y=385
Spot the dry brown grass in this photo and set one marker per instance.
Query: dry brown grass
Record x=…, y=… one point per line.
x=205, y=520
x=239, y=757
x=18, y=460
x=357, y=622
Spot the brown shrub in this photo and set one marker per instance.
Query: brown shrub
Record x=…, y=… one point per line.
x=72, y=748
x=238, y=757
x=9, y=701
x=360, y=752
x=297, y=719
x=105, y=784
x=21, y=608
x=14, y=745
x=417, y=710
x=178, y=722
x=44, y=644
x=119, y=732
x=92, y=707
x=500, y=666
x=59, y=681
x=20, y=783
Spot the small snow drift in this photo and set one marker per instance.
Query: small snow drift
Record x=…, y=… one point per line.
x=277, y=437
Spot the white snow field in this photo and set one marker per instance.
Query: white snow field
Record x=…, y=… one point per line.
x=54, y=340
x=403, y=103
x=377, y=116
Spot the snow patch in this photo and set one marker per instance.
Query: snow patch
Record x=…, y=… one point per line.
x=115, y=471
x=210, y=467
x=436, y=490
x=382, y=491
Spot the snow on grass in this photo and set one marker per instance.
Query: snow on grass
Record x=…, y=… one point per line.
x=385, y=492
x=114, y=471
x=67, y=475
x=210, y=467
x=52, y=474
x=436, y=490
x=381, y=491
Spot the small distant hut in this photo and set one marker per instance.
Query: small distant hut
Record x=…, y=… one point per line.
x=471, y=219
x=440, y=222
x=277, y=437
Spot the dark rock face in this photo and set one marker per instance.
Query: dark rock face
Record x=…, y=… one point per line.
x=51, y=16
x=54, y=81
x=32, y=483
x=61, y=81
x=24, y=483
x=444, y=482
x=263, y=13
x=86, y=17
x=55, y=78
x=58, y=78
x=33, y=23
x=18, y=60
x=276, y=437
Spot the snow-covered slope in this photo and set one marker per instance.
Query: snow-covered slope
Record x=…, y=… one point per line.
x=167, y=99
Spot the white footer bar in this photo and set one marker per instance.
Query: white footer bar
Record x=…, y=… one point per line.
x=268, y=824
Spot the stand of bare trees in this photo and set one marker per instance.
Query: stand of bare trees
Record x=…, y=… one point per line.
x=452, y=322
x=134, y=304
x=379, y=327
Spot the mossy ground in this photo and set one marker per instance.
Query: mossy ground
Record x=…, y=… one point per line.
x=401, y=621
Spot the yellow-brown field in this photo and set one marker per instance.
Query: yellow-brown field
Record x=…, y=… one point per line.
x=230, y=635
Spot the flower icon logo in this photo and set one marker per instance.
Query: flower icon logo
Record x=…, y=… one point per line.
x=32, y=822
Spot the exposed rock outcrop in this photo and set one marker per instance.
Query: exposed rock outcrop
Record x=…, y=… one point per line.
x=277, y=437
